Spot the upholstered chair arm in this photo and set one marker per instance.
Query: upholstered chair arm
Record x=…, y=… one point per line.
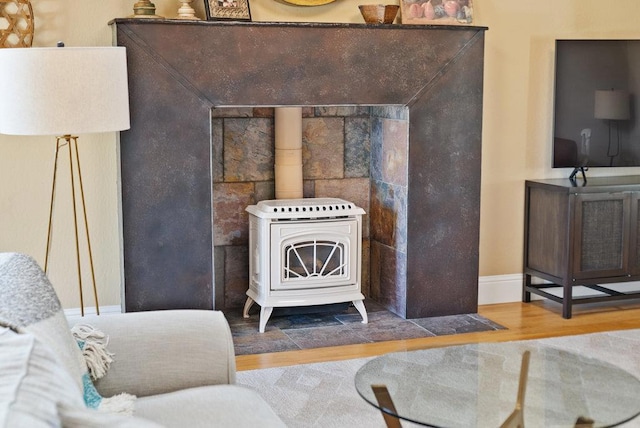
x=163, y=351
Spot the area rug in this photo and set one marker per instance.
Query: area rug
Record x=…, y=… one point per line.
x=323, y=395
x=342, y=326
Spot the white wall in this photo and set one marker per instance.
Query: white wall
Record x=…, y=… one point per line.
x=516, y=135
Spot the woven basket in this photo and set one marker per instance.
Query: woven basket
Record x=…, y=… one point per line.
x=378, y=13
x=16, y=24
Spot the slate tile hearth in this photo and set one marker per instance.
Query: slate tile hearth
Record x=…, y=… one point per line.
x=303, y=328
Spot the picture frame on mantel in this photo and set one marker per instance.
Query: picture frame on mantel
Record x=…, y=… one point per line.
x=236, y=10
x=436, y=12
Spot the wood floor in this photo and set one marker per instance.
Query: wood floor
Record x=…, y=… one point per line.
x=534, y=320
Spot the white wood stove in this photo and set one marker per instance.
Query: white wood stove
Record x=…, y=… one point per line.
x=304, y=252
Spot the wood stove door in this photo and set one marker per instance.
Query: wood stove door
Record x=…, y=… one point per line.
x=314, y=254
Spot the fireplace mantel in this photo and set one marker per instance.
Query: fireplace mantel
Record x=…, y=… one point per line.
x=179, y=71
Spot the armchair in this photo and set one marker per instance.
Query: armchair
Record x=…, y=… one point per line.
x=180, y=364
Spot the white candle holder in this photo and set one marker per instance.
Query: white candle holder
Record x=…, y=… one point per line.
x=186, y=11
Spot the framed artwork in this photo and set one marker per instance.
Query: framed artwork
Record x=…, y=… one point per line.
x=444, y=12
x=227, y=9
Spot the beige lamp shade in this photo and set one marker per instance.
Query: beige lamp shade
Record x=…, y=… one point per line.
x=611, y=104
x=63, y=90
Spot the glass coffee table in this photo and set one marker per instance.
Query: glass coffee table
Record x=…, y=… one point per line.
x=478, y=385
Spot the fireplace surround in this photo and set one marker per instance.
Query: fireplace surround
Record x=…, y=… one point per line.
x=424, y=217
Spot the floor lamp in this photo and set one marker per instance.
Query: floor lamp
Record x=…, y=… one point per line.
x=613, y=106
x=65, y=91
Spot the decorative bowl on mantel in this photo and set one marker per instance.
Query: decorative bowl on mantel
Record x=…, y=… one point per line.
x=379, y=13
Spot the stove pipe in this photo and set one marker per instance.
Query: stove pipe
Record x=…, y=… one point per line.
x=288, y=162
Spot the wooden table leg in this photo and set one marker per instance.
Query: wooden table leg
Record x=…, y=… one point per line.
x=384, y=400
x=583, y=422
x=516, y=418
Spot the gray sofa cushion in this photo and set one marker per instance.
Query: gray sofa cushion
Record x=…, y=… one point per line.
x=208, y=407
x=36, y=392
x=29, y=304
x=163, y=351
x=35, y=388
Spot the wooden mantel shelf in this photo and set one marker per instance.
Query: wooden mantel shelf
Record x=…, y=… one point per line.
x=180, y=70
x=332, y=25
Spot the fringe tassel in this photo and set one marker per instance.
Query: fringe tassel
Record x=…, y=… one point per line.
x=122, y=404
x=94, y=350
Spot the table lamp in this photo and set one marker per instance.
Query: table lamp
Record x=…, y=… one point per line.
x=65, y=91
x=613, y=106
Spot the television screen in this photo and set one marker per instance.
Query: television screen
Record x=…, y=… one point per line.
x=595, y=123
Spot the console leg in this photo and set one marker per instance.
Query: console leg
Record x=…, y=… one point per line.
x=567, y=301
x=359, y=304
x=247, y=306
x=265, y=313
x=526, y=295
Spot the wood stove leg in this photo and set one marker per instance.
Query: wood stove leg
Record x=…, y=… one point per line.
x=247, y=305
x=359, y=304
x=265, y=313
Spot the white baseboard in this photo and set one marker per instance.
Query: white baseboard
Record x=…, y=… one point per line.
x=500, y=289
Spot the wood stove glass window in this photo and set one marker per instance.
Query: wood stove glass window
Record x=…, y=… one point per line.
x=317, y=259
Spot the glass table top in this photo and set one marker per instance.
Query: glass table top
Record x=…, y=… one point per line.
x=476, y=386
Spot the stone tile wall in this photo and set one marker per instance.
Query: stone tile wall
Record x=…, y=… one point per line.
x=388, y=209
x=336, y=163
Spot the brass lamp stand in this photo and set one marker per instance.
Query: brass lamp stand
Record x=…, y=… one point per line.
x=72, y=144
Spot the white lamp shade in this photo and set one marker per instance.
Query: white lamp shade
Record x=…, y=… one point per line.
x=612, y=105
x=63, y=90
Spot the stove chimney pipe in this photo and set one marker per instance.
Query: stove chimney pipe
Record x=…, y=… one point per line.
x=288, y=162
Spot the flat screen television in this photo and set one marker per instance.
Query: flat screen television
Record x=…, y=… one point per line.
x=595, y=122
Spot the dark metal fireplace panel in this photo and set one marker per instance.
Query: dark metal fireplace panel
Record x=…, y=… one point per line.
x=179, y=70
x=166, y=191
x=269, y=64
x=444, y=191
